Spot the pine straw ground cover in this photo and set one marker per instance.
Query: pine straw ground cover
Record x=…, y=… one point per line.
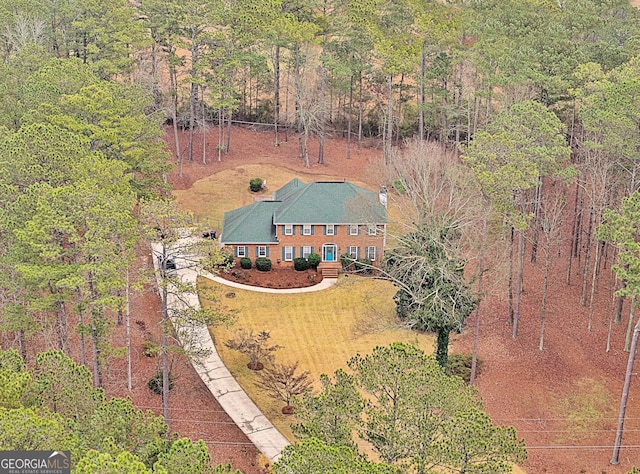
x=520, y=385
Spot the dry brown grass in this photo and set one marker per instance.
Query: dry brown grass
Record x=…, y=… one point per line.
x=321, y=330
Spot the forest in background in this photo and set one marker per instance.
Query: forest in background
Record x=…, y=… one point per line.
x=533, y=95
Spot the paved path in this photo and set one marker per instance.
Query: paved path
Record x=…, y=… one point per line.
x=212, y=370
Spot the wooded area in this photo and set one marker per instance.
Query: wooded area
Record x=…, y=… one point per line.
x=537, y=101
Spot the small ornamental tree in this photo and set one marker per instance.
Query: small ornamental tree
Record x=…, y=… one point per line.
x=254, y=346
x=282, y=383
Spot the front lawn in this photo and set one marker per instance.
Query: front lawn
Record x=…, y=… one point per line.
x=321, y=330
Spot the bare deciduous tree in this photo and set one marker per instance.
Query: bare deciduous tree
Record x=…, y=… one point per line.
x=254, y=346
x=282, y=383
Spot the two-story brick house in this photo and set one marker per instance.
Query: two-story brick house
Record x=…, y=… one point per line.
x=330, y=218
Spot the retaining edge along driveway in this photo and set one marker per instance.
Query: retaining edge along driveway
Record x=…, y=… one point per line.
x=232, y=398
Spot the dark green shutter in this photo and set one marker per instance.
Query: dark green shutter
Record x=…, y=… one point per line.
x=267, y=249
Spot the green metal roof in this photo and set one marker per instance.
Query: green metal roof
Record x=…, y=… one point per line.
x=320, y=202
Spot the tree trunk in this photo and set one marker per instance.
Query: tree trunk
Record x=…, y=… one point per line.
x=174, y=107
x=421, y=98
x=228, y=143
x=510, y=282
x=476, y=329
x=594, y=276
x=23, y=345
x=193, y=96
x=127, y=318
x=298, y=106
x=587, y=260
x=276, y=93
x=388, y=135
x=574, y=233
x=536, y=221
x=322, y=118
x=165, y=341
x=519, y=283
x=83, y=354
x=625, y=394
x=442, y=347
x=349, y=117
x=545, y=292
x=220, y=133
x=619, y=304
x=360, y=107
x=204, y=130
x=632, y=308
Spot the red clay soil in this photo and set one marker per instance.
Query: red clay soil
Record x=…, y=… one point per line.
x=563, y=400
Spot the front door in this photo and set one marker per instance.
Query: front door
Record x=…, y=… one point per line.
x=329, y=253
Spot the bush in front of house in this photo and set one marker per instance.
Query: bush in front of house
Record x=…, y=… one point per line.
x=363, y=265
x=245, y=263
x=300, y=264
x=263, y=264
x=347, y=262
x=314, y=260
x=256, y=185
x=227, y=260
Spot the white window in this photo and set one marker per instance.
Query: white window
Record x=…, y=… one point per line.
x=331, y=229
x=371, y=253
x=353, y=252
x=353, y=229
x=288, y=229
x=306, y=229
x=306, y=251
x=288, y=254
x=372, y=229
x=262, y=251
x=241, y=251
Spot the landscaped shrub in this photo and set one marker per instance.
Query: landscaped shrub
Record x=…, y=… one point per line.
x=263, y=264
x=155, y=383
x=363, y=265
x=314, y=260
x=347, y=262
x=460, y=365
x=245, y=262
x=256, y=185
x=300, y=264
x=227, y=260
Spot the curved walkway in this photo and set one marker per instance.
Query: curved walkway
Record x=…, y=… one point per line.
x=212, y=370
